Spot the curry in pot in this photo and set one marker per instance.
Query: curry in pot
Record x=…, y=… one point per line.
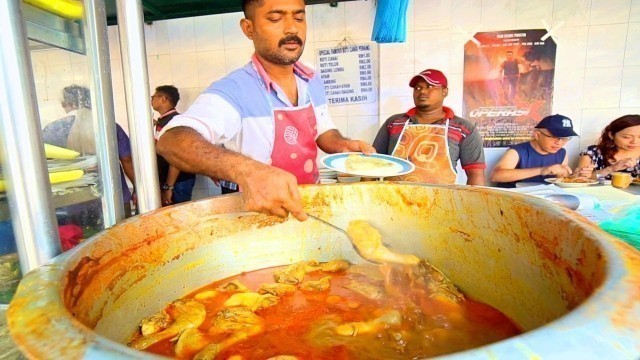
x=333, y=310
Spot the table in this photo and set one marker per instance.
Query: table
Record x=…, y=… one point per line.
x=597, y=202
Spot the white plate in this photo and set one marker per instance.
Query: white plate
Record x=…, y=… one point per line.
x=400, y=166
x=569, y=185
x=325, y=170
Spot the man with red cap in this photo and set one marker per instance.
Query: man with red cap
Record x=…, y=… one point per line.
x=432, y=137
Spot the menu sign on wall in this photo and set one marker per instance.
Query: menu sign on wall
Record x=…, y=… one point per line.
x=348, y=74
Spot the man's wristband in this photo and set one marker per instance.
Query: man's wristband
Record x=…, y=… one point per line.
x=166, y=187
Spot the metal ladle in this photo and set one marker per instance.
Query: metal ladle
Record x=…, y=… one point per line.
x=345, y=234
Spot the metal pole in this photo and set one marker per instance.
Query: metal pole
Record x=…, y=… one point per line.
x=24, y=167
x=97, y=45
x=136, y=84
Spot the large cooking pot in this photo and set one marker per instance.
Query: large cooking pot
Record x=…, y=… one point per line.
x=570, y=286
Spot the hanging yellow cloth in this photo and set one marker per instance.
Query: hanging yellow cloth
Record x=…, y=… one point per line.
x=70, y=9
x=54, y=178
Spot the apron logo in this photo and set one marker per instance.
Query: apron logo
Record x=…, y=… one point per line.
x=291, y=135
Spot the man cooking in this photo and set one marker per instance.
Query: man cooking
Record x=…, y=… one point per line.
x=432, y=137
x=270, y=117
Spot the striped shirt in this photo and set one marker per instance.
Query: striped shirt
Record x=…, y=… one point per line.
x=237, y=111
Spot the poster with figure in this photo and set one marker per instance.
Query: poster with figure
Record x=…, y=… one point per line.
x=508, y=83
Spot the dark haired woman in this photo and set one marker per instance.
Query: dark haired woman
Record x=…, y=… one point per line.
x=618, y=149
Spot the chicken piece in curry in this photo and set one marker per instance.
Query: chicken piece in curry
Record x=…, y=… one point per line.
x=368, y=241
x=403, y=308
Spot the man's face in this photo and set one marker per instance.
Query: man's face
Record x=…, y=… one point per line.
x=156, y=101
x=278, y=29
x=549, y=143
x=509, y=56
x=427, y=96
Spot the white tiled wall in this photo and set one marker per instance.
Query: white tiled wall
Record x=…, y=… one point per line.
x=597, y=77
x=598, y=56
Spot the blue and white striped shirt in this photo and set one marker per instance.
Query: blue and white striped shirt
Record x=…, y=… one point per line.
x=237, y=111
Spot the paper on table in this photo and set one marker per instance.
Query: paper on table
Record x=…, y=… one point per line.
x=610, y=198
x=597, y=203
x=596, y=215
x=586, y=201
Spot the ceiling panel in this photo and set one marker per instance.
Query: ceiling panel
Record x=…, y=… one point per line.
x=171, y=9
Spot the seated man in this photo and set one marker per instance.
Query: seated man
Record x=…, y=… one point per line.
x=540, y=158
x=432, y=137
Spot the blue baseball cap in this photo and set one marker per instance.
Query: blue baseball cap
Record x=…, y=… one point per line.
x=558, y=125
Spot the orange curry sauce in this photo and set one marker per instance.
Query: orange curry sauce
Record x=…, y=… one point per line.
x=302, y=324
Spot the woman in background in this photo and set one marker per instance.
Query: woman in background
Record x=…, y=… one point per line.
x=75, y=130
x=618, y=149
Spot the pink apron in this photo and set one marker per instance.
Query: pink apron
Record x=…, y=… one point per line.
x=294, y=144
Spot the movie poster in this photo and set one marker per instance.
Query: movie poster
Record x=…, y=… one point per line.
x=508, y=83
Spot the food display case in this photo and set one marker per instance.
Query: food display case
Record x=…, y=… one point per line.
x=51, y=197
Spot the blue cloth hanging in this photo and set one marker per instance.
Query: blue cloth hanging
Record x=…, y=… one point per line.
x=390, y=25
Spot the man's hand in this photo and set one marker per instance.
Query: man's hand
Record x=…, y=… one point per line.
x=360, y=146
x=166, y=196
x=264, y=188
x=272, y=191
x=333, y=142
x=559, y=170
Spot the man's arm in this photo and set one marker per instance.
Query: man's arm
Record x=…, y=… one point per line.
x=124, y=154
x=265, y=188
x=381, y=142
x=172, y=176
x=472, y=157
x=127, y=166
x=505, y=170
x=333, y=142
x=475, y=177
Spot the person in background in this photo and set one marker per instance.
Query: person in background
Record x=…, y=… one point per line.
x=510, y=70
x=126, y=167
x=270, y=115
x=542, y=157
x=76, y=102
x=618, y=149
x=175, y=186
x=75, y=131
x=432, y=137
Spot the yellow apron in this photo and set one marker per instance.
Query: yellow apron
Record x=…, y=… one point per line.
x=427, y=147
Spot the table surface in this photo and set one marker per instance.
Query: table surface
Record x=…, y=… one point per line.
x=598, y=203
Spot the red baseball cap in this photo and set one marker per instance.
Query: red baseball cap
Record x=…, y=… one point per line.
x=431, y=76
